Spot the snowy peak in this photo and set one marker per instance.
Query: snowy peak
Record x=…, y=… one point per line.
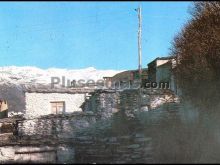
x=31, y=75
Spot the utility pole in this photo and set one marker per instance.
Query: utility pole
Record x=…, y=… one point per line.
x=139, y=54
x=139, y=43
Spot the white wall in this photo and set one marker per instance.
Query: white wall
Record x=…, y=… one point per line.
x=161, y=62
x=38, y=104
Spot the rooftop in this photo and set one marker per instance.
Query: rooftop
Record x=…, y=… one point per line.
x=162, y=58
x=49, y=89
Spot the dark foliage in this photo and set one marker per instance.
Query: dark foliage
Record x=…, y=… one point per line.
x=197, y=48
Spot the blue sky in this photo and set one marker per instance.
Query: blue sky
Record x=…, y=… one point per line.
x=77, y=35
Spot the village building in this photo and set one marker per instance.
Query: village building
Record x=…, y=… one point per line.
x=45, y=101
x=35, y=101
x=42, y=100
x=161, y=71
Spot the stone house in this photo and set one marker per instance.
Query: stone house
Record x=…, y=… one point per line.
x=161, y=70
x=33, y=101
x=45, y=101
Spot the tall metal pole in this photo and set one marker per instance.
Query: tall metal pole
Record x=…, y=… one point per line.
x=139, y=43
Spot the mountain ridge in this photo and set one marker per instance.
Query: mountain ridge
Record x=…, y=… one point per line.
x=30, y=74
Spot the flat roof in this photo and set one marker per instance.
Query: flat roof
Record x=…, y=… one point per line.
x=49, y=89
x=162, y=58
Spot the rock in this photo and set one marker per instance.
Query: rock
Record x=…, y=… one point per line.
x=6, y=153
x=144, y=109
x=6, y=128
x=158, y=101
x=6, y=137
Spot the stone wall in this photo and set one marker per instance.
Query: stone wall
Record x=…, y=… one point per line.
x=38, y=104
x=61, y=126
x=111, y=133
x=48, y=139
x=105, y=104
x=136, y=148
x=37, y=154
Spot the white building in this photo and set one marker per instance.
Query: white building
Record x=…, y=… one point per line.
x=33, y=101
x=47, y=101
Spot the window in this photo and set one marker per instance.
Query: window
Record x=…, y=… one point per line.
x=58, y=107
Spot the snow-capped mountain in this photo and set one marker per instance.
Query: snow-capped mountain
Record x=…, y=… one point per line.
x=33, y=75
x=14, y=80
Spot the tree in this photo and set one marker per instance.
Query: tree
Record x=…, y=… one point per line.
x=197, y=48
